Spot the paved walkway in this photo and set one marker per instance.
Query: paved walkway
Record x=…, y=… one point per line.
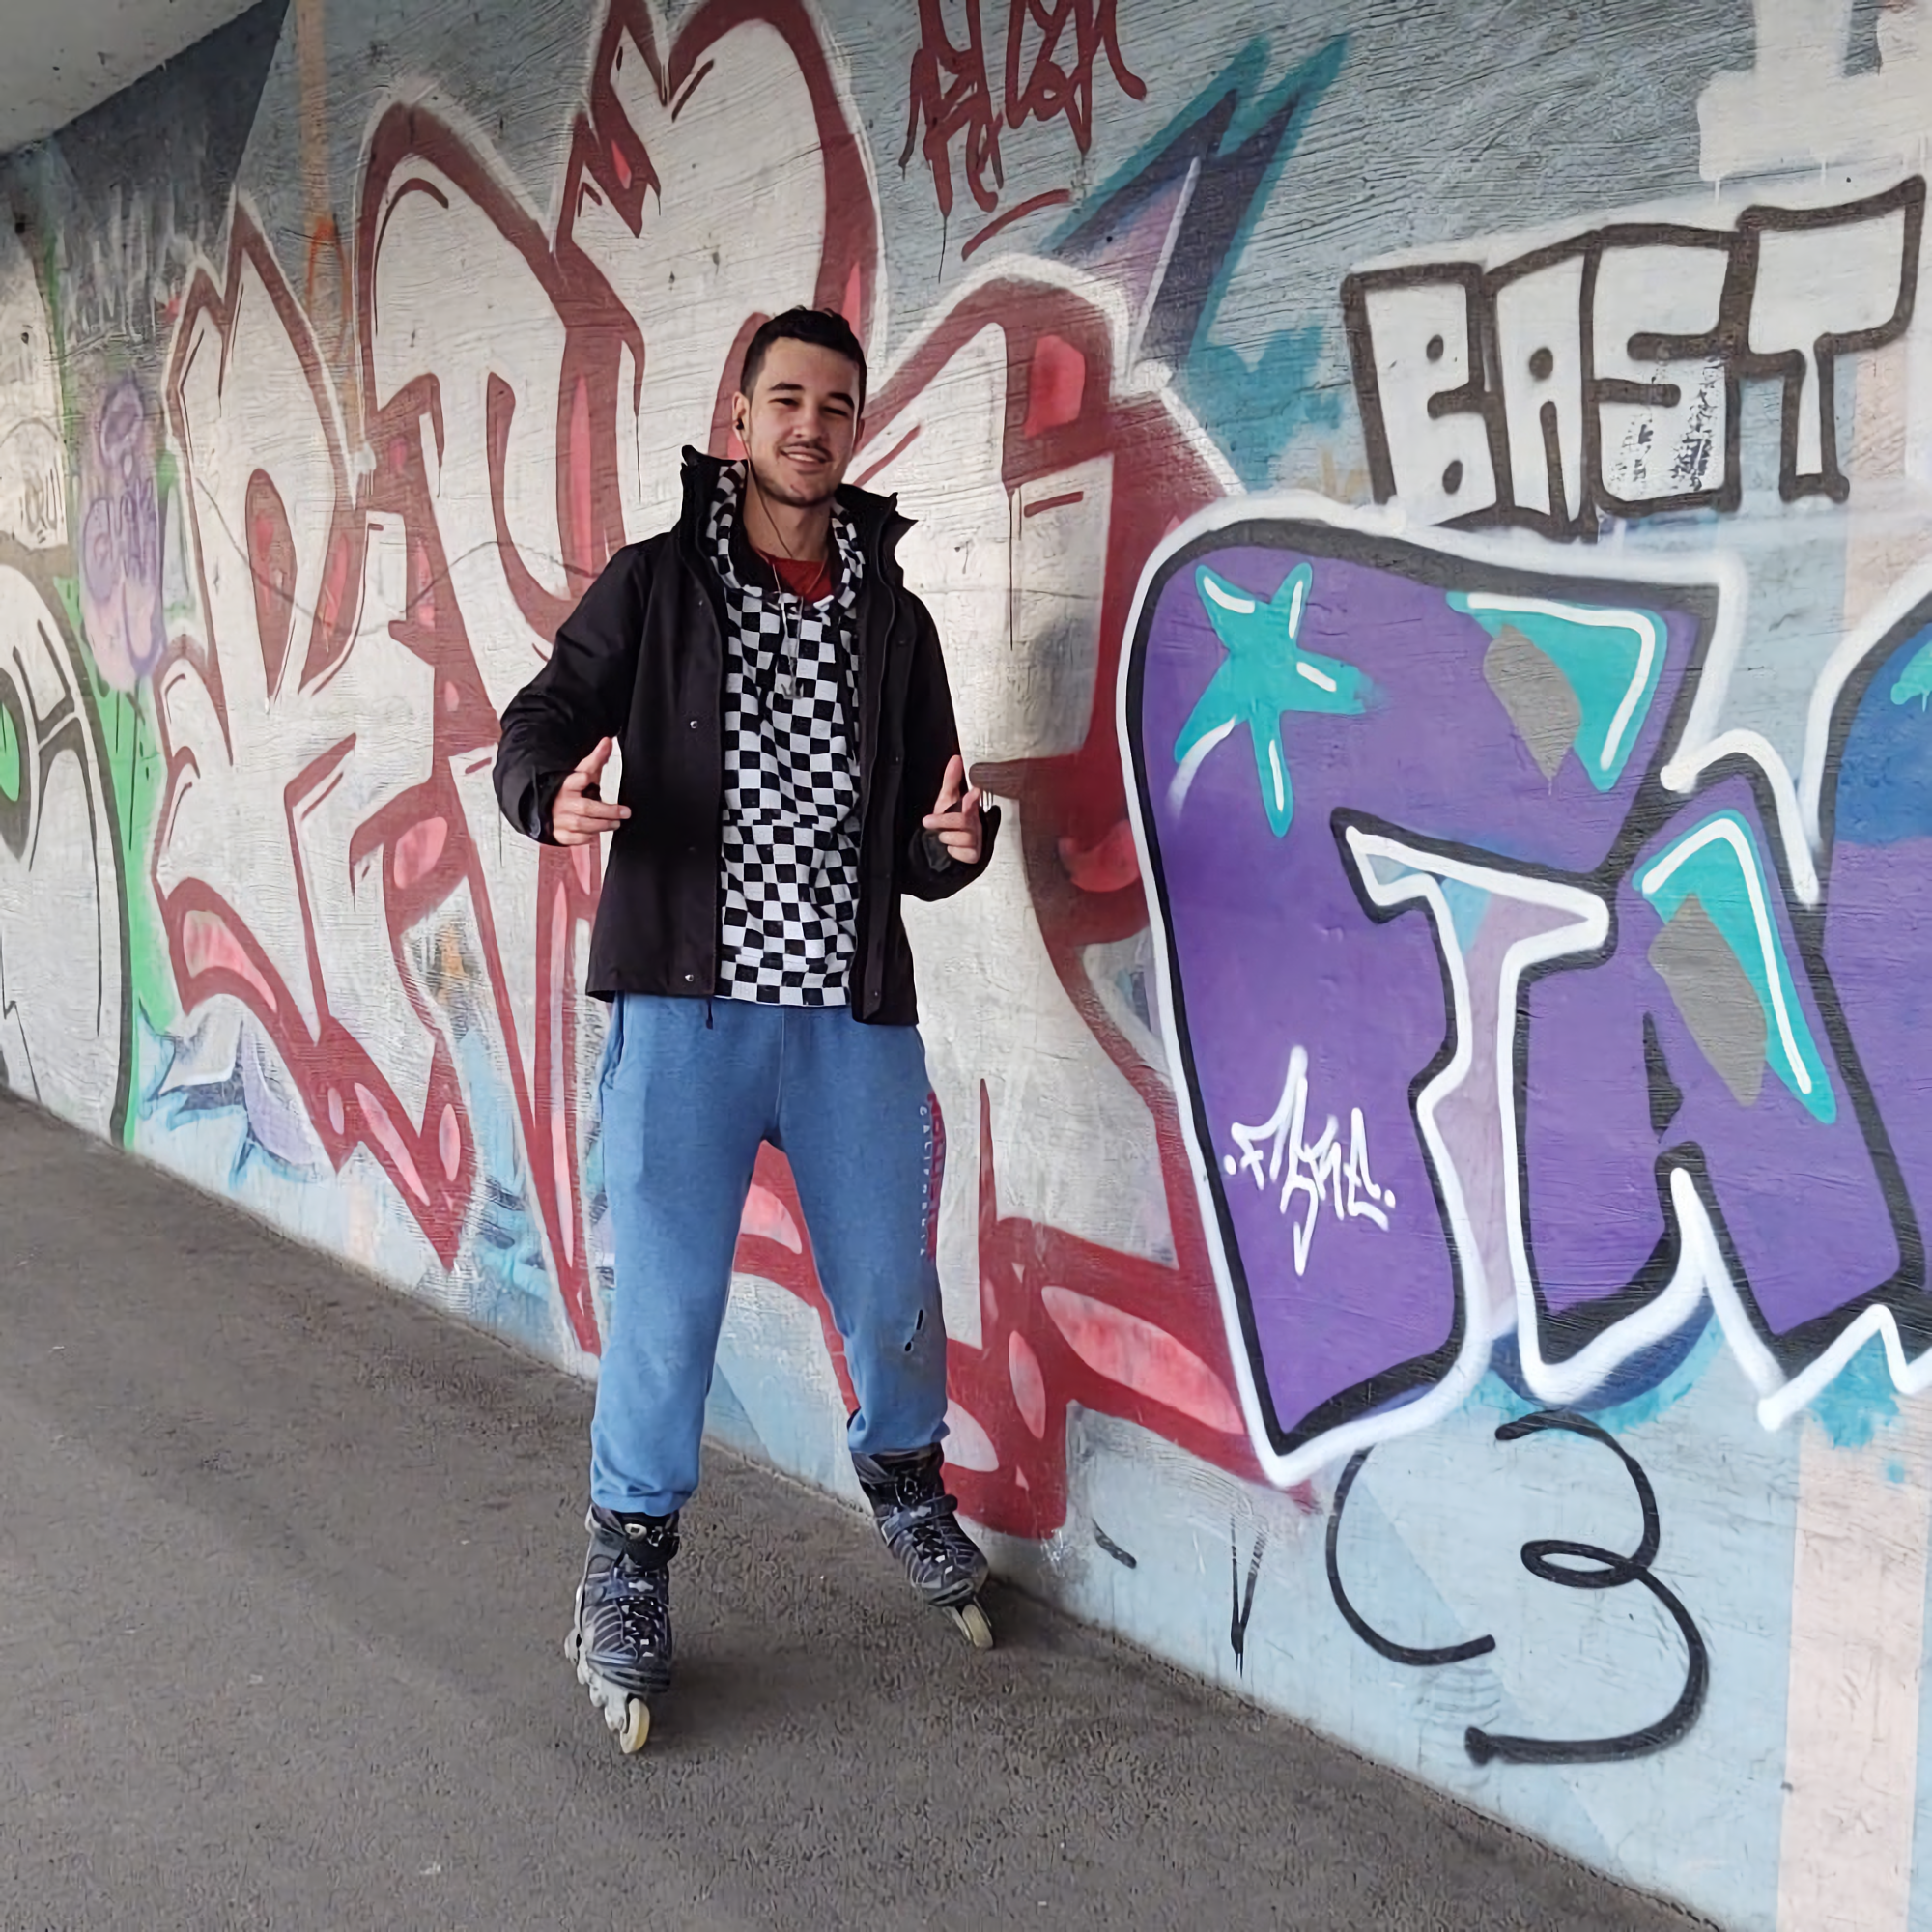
x=284, y=1564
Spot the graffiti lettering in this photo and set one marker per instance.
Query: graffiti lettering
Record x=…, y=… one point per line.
x=1062, y=1287
x=43, y=508
x=1613, y=1572
x=1409, y=992
x=1600, y=377
x=1313, y=1169
x=1046, y=79
x=952, y=95
x=1551, y=1560
x=358, y=639
x=33, y=457
x=63, y=921
x=1052, y=88
x=1611, y=987
x=1384, y=1646
x=1242, y=1608
x=123, y=265
x=120, y=539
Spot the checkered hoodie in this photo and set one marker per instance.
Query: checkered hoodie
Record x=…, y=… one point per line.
x=789, y=864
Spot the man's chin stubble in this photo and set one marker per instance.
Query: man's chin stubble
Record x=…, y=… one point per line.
x=792, y=499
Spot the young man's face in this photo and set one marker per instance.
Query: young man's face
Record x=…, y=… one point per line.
x=801, y=424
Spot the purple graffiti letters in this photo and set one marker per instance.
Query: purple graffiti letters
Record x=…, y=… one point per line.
x=1495, y=1044
x=121, y=538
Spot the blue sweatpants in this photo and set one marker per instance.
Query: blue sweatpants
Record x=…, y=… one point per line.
x=687, y=1091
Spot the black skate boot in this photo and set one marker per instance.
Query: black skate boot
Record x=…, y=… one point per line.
x=621, y=1641
x=921, y=1526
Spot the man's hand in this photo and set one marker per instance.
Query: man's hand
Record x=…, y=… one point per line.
x=954, y=820
x=579, y=814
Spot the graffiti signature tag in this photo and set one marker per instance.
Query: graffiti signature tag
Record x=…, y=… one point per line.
x=952, y=92
x=1313, y=1168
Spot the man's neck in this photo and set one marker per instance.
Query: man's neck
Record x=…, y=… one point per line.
x=783, y=530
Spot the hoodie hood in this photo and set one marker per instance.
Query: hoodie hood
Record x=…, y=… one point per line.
x=875, y=519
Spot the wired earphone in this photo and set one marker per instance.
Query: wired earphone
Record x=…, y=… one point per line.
x=791, y=602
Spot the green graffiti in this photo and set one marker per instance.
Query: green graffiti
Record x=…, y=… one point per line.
x=131, y=756
x=1716, y=868
x=1267, y=675
x=1610, y=658
x=138, y=773
x=1916, y=679
x=10, y=758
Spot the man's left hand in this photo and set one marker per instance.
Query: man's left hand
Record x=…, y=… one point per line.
x=955, y=819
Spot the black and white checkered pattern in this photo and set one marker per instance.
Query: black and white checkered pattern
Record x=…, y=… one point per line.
x=791, y=868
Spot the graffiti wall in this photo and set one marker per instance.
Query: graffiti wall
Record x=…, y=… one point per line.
x=1431, y=524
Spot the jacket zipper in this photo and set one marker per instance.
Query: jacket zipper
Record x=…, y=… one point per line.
x=704, y=591
x=872, y=991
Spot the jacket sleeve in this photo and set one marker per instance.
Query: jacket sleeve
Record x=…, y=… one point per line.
x=927, y=869
x=581, y=695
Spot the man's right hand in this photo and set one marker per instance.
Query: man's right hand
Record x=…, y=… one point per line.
x=579, y=814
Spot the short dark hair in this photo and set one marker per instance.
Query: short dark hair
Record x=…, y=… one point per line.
x=823, y=328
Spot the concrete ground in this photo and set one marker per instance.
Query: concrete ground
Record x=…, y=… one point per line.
x=285, y=1559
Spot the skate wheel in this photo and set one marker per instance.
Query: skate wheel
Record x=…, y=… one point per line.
x=974, y=1625
x=635, y=1727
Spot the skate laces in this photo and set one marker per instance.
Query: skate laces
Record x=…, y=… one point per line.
x=932, y=1528
x=640, y=1598
x=919, y=1485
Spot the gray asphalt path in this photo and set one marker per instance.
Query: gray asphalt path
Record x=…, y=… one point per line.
x=284, y=1563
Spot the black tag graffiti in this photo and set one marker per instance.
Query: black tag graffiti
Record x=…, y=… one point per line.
x=1243, y=1600
x=1553, y=1560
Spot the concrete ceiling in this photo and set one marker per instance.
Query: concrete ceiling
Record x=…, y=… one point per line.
x=58, y=58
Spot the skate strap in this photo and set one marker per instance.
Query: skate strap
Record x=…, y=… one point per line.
x=917, y=1516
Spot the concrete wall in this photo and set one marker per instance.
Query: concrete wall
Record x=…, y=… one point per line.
x=1431, y=515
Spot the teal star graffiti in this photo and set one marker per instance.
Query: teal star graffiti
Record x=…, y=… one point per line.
x=1267, y=675
x=1917, y=680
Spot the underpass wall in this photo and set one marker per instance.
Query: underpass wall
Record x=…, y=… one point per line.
x=1429, y=523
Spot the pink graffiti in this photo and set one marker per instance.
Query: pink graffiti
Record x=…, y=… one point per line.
x=1064, y=1321
x=370, y=602
x=360, y=641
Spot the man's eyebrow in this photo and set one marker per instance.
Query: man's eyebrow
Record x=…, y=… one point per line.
x=844, y=396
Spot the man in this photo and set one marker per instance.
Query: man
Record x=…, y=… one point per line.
x=790, y=768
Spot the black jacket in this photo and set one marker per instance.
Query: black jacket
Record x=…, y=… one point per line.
x=641, y=659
